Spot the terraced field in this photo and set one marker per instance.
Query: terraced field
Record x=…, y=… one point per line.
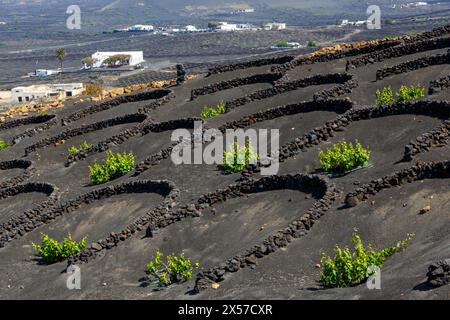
x=255, y=236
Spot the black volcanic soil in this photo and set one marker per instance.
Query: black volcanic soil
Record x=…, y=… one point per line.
x=238, y=224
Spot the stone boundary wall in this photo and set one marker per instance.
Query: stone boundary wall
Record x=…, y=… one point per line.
x=36, y=130
x=399, y=51
x=143, y=128
x=417, y=64
x=320, y=187
x=229, y=84
x=250, y=64
x=25, y=121
x=326, y=57
x=340, y=78
x=338, y=106
x=439, y=109
x=420, y=171
x=26, y=165
x=437, y=86
x=161, y=95
x=163, y=187
x=68, y=134
x=30, y=219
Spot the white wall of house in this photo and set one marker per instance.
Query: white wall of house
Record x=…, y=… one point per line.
x=274, y=26
x=34, y=92
x=136, y=57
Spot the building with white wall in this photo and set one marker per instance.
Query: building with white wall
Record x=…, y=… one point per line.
x=52, y=91
x=225, y=26
x=45, y=72
x=141, y=28
x=191, y=28
x=274, y=26
x=136, y=57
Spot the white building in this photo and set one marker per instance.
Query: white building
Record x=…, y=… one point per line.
x=274, y=26
x=347, y=23
x=287, y=45
x=191, y=28
x=33, y=92
x=136, y=57
x=245, y=26
x=45, y=72
x=225, y=26
x=141, y=28
x=353, y=23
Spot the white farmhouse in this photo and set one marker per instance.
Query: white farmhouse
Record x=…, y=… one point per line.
x=44, y=72
x=33, y=92
x=274, y=26
x=225, y=26
x=191, y=28
x=136, y=57
x=141, y=28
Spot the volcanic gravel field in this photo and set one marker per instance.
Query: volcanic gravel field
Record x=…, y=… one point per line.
x=257, y=236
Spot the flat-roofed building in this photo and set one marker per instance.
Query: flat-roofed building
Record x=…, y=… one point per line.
x=34, y=92
x=136, y=57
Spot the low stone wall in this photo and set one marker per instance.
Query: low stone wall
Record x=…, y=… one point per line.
x=414, y=65
x=338, y=106
x=282, y=87
x=250, y=64
x=338, y=54
x=320, y=187
x=318, y=135
x=162, y=187
x=26, y=165
x=436, y=32
x=153, y=160
x=437, y=86
x=229, y=84
x=34, y=131
x=399, y=51
x=336, y=91
x=160, y=95
x=438, y=274
x=143, y=128
x=68, y=134
x=420, y=171
x=30, y=219
x=185, y=123
x=25, y=121
x=436, y=137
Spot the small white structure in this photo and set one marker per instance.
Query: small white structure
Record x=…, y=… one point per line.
x=2, y=23
x=191, y=28
x=274, y=26
x=136, y=57
x=287, y=45
x=33, y=92
x=245, y=26
x=248, y=10
x=45, y=72
x=347, y=23
x=141, y=28
x=353, y=23
x=225, y=26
